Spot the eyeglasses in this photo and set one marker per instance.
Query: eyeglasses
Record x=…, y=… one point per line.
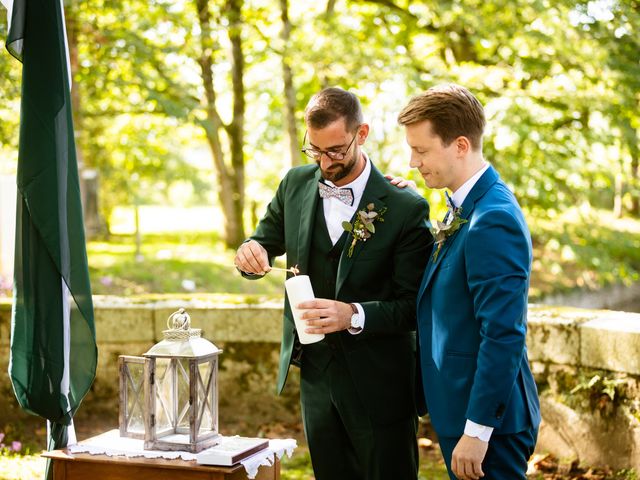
x=316, y=153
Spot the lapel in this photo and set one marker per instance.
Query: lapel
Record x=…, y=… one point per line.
x=308, y=206
x=373, y=192
x=481, y=187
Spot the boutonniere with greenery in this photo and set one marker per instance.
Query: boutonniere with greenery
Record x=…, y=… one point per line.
x=442, y=230
x=362, y=227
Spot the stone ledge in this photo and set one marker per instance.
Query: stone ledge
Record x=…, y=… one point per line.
x=226, y=323
x=562, y=335
x=553, y=334
x=601, y=339
x=612, y=342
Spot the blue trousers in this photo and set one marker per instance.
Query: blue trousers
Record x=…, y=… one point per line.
x=506, y=458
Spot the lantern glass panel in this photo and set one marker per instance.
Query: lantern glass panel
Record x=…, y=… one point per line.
x=206, y=387
x=135, y=398
x=165, y=399
x=182, y=400
x=132, y=397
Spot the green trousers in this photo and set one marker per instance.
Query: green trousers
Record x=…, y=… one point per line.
x=343, y=441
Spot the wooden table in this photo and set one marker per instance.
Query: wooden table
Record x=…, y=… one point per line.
x=83, y=466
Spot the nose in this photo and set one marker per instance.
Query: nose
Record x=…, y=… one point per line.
x=325, y=161
x=414, y=162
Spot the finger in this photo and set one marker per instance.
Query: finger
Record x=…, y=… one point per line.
x=259, y=254
x=319, y=303
x=477, y=469
x=315, y=325
x=307, y=305
x=250, y=264
x=469, y=470
x=459, y=469
x=454, y=466
x=254, y=258
x=315, y=317
x=243, y=265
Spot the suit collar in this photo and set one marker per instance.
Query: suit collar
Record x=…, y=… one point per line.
x=307, y=211
x=459, y=196
x=374, y=192
x=484, y=183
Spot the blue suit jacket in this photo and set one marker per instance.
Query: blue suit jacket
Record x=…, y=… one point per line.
x=472, y=318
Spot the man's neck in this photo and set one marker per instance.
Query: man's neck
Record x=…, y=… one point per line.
x=471, y=167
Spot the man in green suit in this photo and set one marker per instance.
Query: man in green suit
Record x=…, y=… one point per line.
x=357, y=384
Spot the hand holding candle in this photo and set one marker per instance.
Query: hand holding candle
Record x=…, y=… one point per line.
x=299, y=290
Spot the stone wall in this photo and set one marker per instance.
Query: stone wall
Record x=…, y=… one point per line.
x=586, y=363
x=587, y=366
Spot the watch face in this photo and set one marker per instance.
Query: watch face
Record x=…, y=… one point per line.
x=355, y=320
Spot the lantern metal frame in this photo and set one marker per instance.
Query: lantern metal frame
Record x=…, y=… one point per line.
x=177, y=397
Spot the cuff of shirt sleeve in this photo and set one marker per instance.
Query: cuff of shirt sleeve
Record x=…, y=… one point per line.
x=357, y=331
x=482, y=432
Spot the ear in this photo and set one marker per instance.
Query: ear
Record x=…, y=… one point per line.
x=463, y=146
x=363, y=133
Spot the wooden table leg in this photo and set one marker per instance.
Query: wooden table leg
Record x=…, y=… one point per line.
x=59, y=470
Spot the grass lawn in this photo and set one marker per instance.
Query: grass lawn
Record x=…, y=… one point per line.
x=298, y=467
x=573, y=250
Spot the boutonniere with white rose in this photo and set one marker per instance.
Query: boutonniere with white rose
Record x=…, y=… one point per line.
x=362, y=227
x=444, y=230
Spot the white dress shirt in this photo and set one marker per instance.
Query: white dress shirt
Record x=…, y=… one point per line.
x=336, y=212
x=458, y=197
x=471, y=428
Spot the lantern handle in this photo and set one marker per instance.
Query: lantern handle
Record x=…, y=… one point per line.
x=179, y=320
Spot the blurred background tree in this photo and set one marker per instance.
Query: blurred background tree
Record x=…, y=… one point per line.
x=200, y=101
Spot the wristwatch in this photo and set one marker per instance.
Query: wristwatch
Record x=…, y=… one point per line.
x=356, y=319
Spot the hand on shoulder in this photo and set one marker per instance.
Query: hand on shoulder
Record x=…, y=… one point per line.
x=401, y=182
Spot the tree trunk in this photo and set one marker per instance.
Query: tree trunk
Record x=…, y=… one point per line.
x=289, y=89
x=617, y=195
x=235, y=231
x=88, y=178
x=630, y=135
x=230, y=177
x=635, y=175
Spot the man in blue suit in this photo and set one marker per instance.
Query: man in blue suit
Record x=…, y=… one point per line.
x=472, y=303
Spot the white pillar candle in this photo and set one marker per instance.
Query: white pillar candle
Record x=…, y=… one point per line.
x=299, y=290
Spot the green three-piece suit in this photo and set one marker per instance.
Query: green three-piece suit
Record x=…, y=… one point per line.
x=357, y=391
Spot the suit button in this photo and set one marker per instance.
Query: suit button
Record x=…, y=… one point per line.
x=500, y=411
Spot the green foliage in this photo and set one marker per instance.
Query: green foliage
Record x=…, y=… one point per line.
x=559, y=81
x=569, y=253
x=585, y=249
x=596, y=391
x=599, y=385
x=627, y=474
x=10, y=84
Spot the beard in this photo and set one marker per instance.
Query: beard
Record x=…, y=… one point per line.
x=338, y=171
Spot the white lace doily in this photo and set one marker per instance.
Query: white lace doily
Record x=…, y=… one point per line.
x=112, y=444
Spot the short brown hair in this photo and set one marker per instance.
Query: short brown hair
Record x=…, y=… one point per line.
x=331, y=104
x=452, y=110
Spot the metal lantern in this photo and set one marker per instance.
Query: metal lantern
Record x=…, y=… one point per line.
x=169, y=397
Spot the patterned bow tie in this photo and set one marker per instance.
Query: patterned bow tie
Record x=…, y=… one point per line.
x=345, y=195
x=451, y=208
